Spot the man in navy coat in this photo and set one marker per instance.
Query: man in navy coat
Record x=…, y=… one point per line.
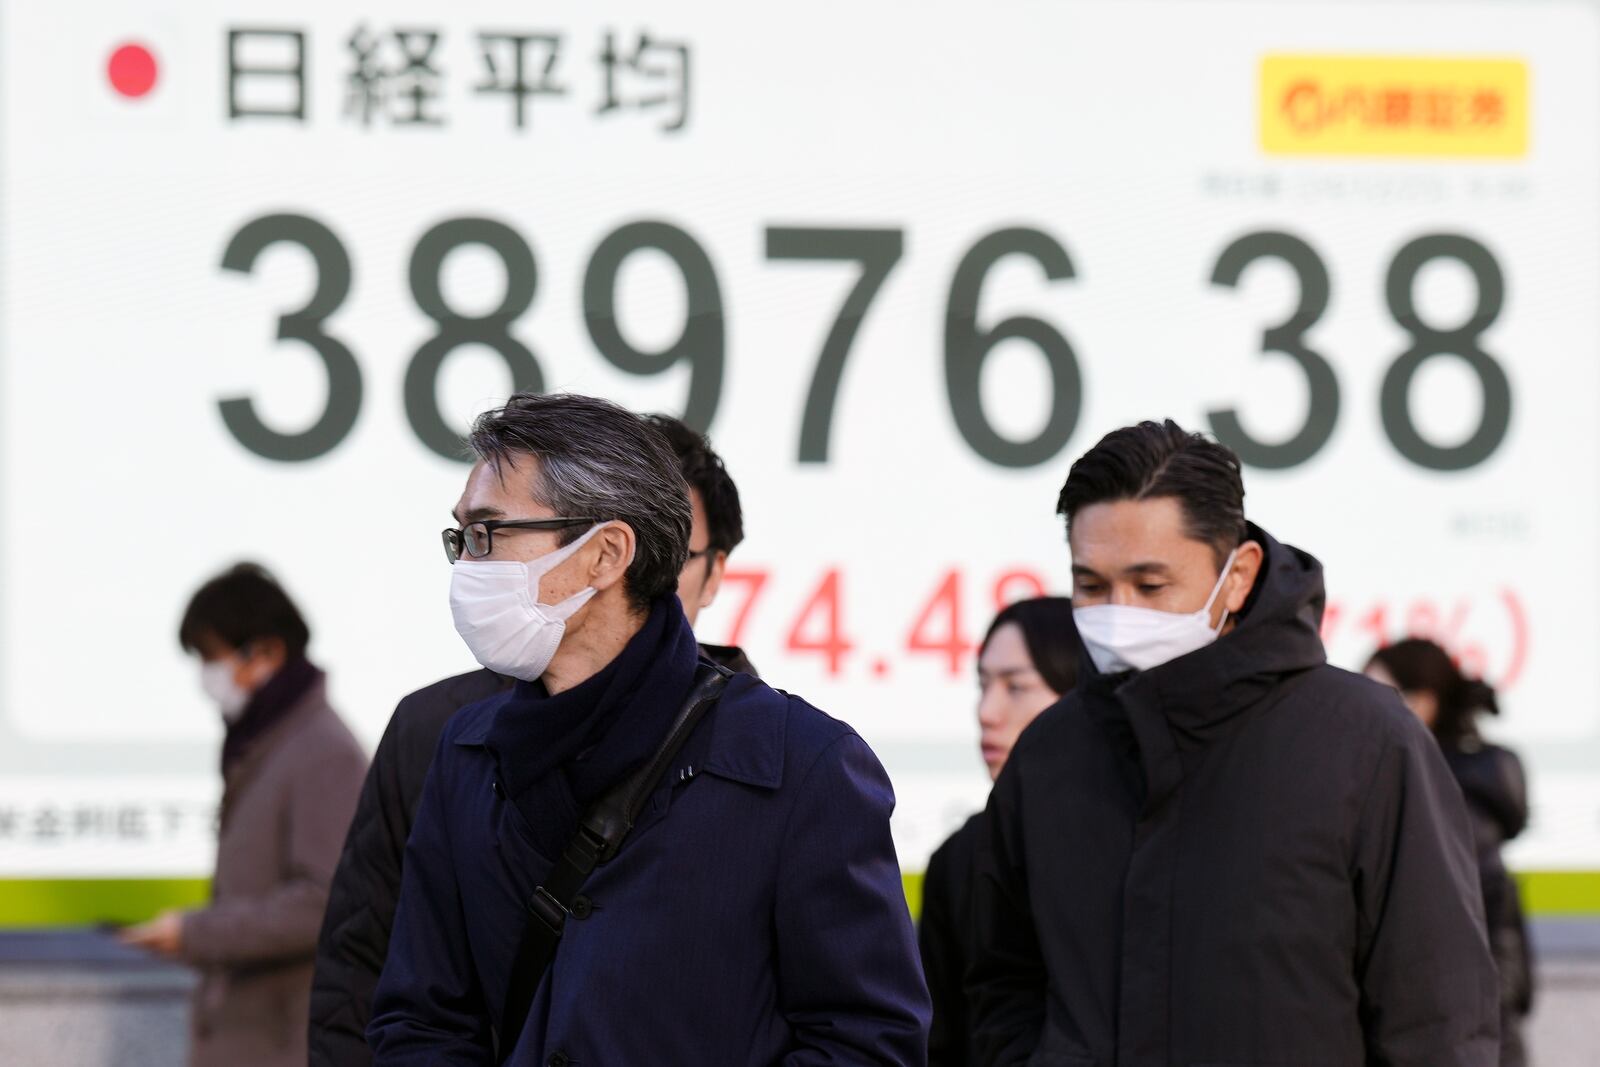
x=755, y=913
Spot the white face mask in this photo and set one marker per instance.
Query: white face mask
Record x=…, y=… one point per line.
x=497, y=611
x=216, y=678
x=1122, y=637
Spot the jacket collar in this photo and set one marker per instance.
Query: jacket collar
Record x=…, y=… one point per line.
x=745, y=743
x=474, y=720
x=1179, y=708
x=280, y=697
x=312, y=703
x=1276, y=635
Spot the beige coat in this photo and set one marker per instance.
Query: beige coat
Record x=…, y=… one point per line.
x=286, y=806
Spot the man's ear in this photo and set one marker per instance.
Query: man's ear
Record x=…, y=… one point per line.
x=1242, y=576
x=616, y=543
x=713, y=582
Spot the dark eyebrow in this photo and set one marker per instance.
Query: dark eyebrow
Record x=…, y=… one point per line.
x=1080, y=571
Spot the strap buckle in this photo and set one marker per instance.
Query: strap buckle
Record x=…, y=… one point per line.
x=548, y=910
x=600, y=835
x=588, y=848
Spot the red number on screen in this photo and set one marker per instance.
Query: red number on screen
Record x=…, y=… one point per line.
x=1013, y=586
x=822, y=612
x=753, y=582
x=938, y=626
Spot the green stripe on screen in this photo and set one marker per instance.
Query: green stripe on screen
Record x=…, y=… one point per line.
x=35, y=902
x=1557, y=894
x=1545, y=894
x=86, y=901
x=913, y=886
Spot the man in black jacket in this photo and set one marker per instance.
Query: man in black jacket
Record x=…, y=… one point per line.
x=1218, y=849
x=366, y=887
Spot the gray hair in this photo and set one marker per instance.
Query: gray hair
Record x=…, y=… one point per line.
x=596, y=458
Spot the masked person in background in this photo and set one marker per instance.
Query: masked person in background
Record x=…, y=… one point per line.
x=1027, y=660
x=291, y=771
x=1218, y=849
x=753, y=914
x=1496, y=791
x=366, y=887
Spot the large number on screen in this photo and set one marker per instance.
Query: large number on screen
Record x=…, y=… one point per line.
x=1464, y=342
x=702, y=341
x=967, y=346
x=492, y=330
x=304, y=325
x=1322, y=410
x=877, y=251
x=1288, y=337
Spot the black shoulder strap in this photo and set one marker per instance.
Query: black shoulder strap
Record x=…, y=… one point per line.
x=600, y=834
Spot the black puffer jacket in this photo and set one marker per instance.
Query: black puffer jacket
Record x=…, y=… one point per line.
x=1496, y=790
x=942, y=935
x=1243, y=856
x=366, y=887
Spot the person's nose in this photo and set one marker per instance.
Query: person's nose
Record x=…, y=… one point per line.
x=991, y=708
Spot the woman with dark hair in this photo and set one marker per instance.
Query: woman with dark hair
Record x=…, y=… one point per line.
x=1491, y=779
x=1028, y=660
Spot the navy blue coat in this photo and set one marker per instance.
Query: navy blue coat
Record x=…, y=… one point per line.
x=755, y=915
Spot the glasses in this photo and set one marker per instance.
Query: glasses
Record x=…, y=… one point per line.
x=476, y=539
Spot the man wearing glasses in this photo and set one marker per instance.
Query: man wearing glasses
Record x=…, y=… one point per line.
x=755, y=913
x=366, y=887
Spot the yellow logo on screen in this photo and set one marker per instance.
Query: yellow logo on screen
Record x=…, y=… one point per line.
x=1325, y=105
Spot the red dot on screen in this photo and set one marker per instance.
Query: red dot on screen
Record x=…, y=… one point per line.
x=132, y=70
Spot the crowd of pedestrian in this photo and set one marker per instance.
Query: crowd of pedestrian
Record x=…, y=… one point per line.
x=615, y=844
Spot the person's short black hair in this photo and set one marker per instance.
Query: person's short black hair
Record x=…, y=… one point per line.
x=1162, y=459
x=1050, y=635
x=703, y=469
x=244, y=603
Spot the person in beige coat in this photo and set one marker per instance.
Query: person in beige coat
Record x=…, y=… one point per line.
x=291, y=773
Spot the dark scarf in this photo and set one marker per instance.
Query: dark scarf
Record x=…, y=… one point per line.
x=267, y=707
x=558, y=754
